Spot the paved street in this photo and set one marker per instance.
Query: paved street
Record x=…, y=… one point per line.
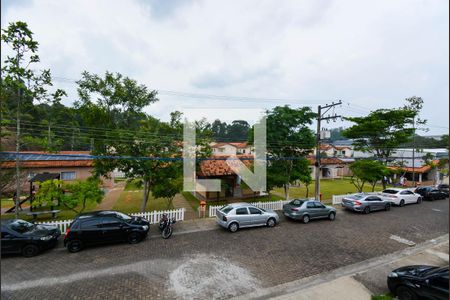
x=217, y=264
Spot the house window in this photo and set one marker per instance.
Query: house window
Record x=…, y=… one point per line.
x=68, y=175
x=243, y=151
x=221, y=149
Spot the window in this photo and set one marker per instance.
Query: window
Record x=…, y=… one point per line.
x=91, y=224
x=390, y=192
x=243, y=151
x=110, y=222
x=226, y=209
x=242, y=211
x=254, y=211
x=310, y=205
x=319, y=205
x=68, y=175
x=296, y=202
x=406, y=193
x=221, y=149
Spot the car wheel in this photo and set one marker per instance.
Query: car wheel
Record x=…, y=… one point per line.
x=305, y=219
x=419, y=200
x=402, y=203
x=332, y=216
x=30, y=250
x=74, y=246
x=387, y=207
x=404, y=293
x=367, y=210
x=134, y=237
x=271, y=222
x=233, y=227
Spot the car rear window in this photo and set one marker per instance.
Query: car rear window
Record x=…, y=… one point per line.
x=356, y=197
x=390, y=191
x=296, y=202
x=226, y=209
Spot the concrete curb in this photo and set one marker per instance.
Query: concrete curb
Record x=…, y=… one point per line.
x=350, y=270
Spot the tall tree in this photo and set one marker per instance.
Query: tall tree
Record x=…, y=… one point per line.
x=289, y=141
x=384, y=130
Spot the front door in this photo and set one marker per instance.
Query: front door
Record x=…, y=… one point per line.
x=258, y=218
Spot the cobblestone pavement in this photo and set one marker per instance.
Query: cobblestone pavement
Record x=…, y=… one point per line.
x=216, y=263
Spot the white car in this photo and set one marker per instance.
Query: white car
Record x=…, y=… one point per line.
x=401, y=197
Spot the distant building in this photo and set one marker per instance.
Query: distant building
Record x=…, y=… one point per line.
x=231, y=148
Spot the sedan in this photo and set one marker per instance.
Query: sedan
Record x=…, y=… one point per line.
x=19, y=236
x=240, y=215
x=401, y=197
x=431, y=193
x=307, y=210
x=444, y=188
x=419, y=282
x=365, y=203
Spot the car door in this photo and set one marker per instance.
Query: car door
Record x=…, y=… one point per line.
x=113, y=229
x=437, y=286
x=311, y=209
x=375, y=203
x=408, y=196
x=242, y=216
x=258, y=217
x=90, y=231
x=321, y=210
x=10, y=242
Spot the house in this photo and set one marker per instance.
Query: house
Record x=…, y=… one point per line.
x=331, y=167
x=70, y=165
x=231, y=148
x=231, y=184
x=330, y=150
x=424, y=174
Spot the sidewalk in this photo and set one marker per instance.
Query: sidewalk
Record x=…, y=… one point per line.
x=188, y=226
x=179, y=202
x=360, y=280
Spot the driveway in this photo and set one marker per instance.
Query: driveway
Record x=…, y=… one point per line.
x=218, y=264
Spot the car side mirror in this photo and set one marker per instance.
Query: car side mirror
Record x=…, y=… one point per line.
x=427, y=282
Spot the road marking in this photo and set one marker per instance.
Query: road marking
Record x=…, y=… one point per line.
x=441, y=255
x=402, y=240
x=435, y=209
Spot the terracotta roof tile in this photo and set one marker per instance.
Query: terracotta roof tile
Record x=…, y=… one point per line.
x=219, y=167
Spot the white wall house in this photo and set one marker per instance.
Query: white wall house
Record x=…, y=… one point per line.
x=232, y=148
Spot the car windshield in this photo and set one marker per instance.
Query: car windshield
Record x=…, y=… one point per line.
x=297, y=202
x=123, y=216
x=226, y=209
x=21, y=226
x=390, y=191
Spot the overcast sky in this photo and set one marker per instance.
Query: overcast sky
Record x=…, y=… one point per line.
x=370, y=54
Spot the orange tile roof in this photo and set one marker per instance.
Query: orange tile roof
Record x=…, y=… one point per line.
x=219, y=167
x=326, y=161
x=234, y=144
x=422, y=169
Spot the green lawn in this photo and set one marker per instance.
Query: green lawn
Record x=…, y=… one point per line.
x=328, y=188
x=7, y=203
x=383, y=297
x=192, y=200
x=130, y=202
x=133, y=185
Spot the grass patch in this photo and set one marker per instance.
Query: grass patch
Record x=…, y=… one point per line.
x=328, y=187
x=192, y=200
x=130, y=202
x=7, y=203
x=383, y=297
x=133, y=185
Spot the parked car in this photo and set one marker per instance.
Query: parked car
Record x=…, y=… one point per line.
x=443, y=188
x=307, y=210
x=419, y=282
x=401, y=197
x=240, y=215
x=19, y=236
x=365, y=203
x=100, y=227
x=430, y=193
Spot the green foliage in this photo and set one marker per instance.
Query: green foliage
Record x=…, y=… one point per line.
x=49, y=193
x=367, y=171
x=79, y=193
x=289, y=128
x=236, y=131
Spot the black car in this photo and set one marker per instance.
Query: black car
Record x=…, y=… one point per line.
x=101, y=227
x=19, y=236
x=444, y=188
x=430, y=193
x=419, y=282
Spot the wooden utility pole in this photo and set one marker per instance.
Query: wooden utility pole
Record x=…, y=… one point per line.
x=17, y=200
x=321, y=117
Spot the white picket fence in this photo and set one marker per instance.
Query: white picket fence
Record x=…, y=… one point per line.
x=152, y=216
x=274, y=205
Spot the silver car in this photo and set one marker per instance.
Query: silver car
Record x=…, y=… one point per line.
x=365, y=203
x=240, y=215
x=307, y=210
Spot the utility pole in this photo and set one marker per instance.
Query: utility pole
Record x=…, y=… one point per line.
x=321, y=117
x=17, y=200
x=73, y=139
x=414, y=151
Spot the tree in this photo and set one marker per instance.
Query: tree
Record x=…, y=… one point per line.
x=383, y=130
x=289, y=141
x=307, y=180
x=79, y=193
x=364, y=171
x=49, y=193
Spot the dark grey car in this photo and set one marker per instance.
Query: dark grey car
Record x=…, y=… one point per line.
x=307, y=210
x=365, y=203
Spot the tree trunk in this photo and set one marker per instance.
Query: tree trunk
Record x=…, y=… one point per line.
x=373, y=186
x=286, y=191
x=146, y=194
x=307, y=191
